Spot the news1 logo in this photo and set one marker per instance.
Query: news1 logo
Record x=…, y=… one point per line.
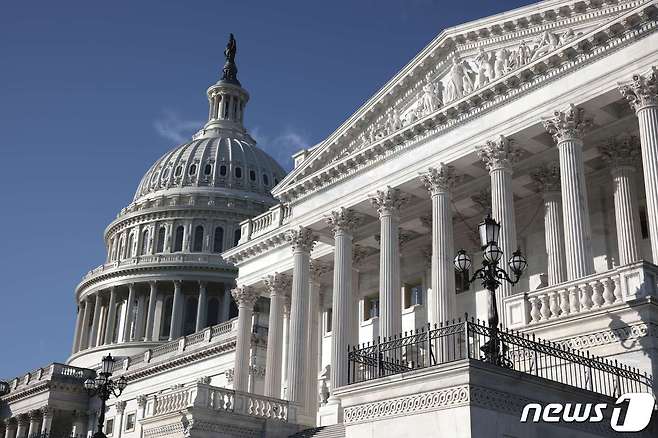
x=630, y=413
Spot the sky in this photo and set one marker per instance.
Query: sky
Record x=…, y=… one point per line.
x=92, y=93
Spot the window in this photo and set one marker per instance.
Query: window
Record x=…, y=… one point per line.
x=130, y=422
x=266, y=180
x=161, y=240
x=236, y=237
x=178, y=242
x=121, y=248
x=207, y=170
x=129, y=246
x=192, y=170
x=252, y=175
x=198, y=239
x=165, y=174
x=370, y=307
x=222, y=170
x=218, y=241
x=109, y=426
x=179, y=171
x=145, y=242
x=238, y=172
x=413, y=294
x=328, y=320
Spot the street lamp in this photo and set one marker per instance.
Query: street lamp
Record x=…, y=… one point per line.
x=492, y=276
x=104, y=387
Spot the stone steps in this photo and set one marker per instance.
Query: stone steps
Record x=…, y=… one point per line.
x=333, y=431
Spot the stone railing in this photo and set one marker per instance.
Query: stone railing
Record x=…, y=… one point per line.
x=262, y=224
x=54, y=371
x=215, y=334
x=201, y=395
x=587, y=294
x=156, y=259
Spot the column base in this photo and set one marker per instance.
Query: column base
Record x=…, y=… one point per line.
x=331, y=413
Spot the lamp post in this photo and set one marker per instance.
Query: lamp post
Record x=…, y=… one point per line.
x=492, y=276
x=104, y=387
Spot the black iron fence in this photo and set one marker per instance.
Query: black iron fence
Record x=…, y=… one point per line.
x=473, y=339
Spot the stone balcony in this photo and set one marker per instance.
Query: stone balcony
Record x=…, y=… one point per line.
x=574, y=299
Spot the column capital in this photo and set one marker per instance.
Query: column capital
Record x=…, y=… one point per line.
x=547, y=177
x=570, y=124
x=499, y=154
x=121, y=406
x=439, y=179
x=47, y=411
x=318, y=269
x=23, y=419
x=177, y=283
x=35, y=414
x=301, y=239
x=203, y=284
x=621, y=151
x=360, y=253
x=245, y=296
x=388, y=200
x=642, y=91
x=277, y=284
x=141, y=400
x=343, y=220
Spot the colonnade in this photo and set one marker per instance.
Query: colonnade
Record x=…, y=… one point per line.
x=34, y=423
x=567, y=231
x=141, y=312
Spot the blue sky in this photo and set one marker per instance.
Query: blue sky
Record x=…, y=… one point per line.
x=92, y=93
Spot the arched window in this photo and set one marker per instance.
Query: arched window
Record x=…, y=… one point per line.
x=121, y=247
x=238, y=172
x=178, y=171
x=207, y=170
x=236, y=237
x=212, y=314
x=178, y=241
x=218, y=240
x=266, y=180
x=161, y=240
x=129, y=246
x=192, y=170
x=145, y=242
x=198, y=239
x=222, y=170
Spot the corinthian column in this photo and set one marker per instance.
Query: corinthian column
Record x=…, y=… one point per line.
x=567, y=128
x=302, y=241
x=547, y=179
x=245, y=297
x=499, y=156
x=642, y=94
x=623, y=155
x=342, y=222
x=388, y=203
x=441, y=303
x=277, y=285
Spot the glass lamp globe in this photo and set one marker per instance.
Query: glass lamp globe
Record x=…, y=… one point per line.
x=107, y=364
x=462, y=261
x=492, y=253
x=489, y=230
x=517, y=263
x=89, y=384
x=101, y=379
x=122, y=383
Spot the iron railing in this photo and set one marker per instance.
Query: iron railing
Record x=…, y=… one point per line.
x=470, y=338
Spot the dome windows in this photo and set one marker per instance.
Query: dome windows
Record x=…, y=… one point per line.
x=266, y=180
x=252, y=175
x=145, y=242
x=192, y=170
x=218, y=241
x=165, y=174
x=208, y=169
x=198, y=239
x=179, y=171
x=178, y=240
x=222, y=170
x=238, y=172
x=161, y=240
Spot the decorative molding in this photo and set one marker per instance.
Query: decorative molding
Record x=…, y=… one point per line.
x=568, y=125
x=245, y=296
x=302, y=239
x=120, y=406
x=439, y=179
x=277, y=283
x=344, y=220
x=621, y=335
x=621, y=151
x=388, y=201
x=498, y=154
x=547, y=177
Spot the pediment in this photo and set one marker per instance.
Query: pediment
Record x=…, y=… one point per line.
x=460, y=68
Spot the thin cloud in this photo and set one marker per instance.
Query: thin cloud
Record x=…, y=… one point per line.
x=281, y=146
x=174, y=128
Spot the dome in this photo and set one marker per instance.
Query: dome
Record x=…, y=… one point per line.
x=230, y=161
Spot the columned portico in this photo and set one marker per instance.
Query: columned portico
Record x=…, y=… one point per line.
x=567, y=128
x=499, y=157
x=245, y=297
x=302, y=241
x=623, y=155
x=277, y=285
x=642, y=94
x=441, y=303
x=547, y=179
x=388, y=203
x=343, y=222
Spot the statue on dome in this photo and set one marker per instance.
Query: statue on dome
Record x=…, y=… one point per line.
x=230, y=72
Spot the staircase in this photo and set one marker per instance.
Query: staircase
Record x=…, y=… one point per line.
x=333, y=431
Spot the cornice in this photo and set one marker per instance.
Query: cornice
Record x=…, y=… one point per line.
x=582, y=49
x=258, y=246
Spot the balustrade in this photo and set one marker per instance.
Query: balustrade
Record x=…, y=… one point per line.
x=262, y=224
x=587, y=294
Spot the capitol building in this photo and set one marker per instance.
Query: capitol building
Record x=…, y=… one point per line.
x=241, y=301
